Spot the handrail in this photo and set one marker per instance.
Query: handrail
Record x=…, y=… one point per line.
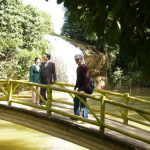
x=128, y=107
x=101, y=96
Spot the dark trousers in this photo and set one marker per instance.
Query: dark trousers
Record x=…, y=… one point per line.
x=43, y=93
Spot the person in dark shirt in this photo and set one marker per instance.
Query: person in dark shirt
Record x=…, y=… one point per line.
x=81, y=85
x=48, y=73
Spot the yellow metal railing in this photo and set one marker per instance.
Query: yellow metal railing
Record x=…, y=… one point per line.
x=10, y=91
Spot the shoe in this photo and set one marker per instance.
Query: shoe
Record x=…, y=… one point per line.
x=40, y=104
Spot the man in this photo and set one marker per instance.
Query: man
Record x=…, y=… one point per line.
x=48, y=73
x=81, y=85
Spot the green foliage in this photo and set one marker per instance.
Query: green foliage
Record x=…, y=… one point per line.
x=24, y=59
x=46, y=24
x=76, y=29
x=118, y=77
x=116, y=22
x=21, y=37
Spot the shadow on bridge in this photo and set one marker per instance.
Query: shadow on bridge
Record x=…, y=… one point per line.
x=98, y=132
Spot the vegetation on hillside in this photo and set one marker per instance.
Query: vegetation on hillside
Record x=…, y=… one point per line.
x=22, y=29
x=120, y=29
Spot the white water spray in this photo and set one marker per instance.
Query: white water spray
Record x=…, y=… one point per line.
x=63, y=54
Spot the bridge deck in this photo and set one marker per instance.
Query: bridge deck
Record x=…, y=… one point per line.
x=116, y=135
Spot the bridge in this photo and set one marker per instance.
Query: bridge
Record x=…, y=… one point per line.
x=116, y=121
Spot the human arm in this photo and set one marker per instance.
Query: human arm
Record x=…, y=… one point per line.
x=54, y=73
x=31, y=74
x=86, y=77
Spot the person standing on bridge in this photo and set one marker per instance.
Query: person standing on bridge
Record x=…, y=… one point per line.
x=35, y=76
x=48, y=73
x=82, y=81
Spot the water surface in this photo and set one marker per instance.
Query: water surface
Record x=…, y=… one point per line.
x=17, y=137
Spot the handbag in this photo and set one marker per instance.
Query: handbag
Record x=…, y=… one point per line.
x=90, y=87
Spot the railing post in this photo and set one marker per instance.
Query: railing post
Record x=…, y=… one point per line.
x=125, y=114
x=9, y=93
x=102, y=114
x=49, y=100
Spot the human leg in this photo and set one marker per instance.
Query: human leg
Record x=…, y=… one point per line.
x=37, y=97
x=34, y=95
x=85, y=111
x=76, y=106
x=43, y=93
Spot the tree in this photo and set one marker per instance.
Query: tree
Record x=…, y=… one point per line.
x=22, y=29
x=76, y=29
x=122, y=23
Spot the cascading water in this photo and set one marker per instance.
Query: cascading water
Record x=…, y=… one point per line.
x=62, y=54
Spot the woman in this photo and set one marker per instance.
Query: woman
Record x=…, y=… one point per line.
x=35, y=76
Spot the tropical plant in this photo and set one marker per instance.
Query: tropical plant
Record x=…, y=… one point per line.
x=115, y=22
x=22, y=29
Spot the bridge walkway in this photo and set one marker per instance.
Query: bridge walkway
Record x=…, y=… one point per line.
x=116, y=135
x=119, y=115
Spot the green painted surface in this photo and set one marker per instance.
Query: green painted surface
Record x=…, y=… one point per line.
x=16, y=137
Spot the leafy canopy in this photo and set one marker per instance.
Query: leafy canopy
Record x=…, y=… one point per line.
x=125, y=23
x=21, y=37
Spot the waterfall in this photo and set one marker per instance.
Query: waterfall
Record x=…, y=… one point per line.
x=62, y=54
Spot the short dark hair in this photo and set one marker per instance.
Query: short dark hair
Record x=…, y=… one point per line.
x=48, y=56
x=36, y=58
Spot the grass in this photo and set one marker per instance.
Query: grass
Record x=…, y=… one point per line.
x=118, y=110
